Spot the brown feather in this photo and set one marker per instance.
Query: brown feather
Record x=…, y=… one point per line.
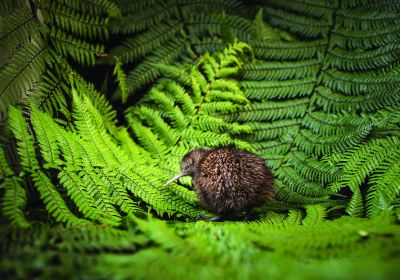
x=228, y=180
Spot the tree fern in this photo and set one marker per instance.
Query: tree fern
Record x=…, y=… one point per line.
x=311, y=86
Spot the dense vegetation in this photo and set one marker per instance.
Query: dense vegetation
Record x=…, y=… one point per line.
x=100, y=100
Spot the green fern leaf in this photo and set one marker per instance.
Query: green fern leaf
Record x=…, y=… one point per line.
x=53, y=201
x=14, y=201
x=46, y=136
x=26, y=149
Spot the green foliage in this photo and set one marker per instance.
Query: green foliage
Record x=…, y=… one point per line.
x=37, y=36
x=164, y=250
x=311, y=86
x=14, y=198
x=121, y=78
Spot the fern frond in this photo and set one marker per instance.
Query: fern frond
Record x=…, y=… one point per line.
x=5, y=170
x=193, y=6
x=272, y=151
x=384, y=189
x=203, y=24
x=121, y=78
x=149, y=190
x=79, y=50
x=365, y=39
x=262, y=31
x=94, y=7
x=270, y=111
x=281, y=70
x=385, y=5
x=118, y=193
x=17, y=28
x=336, y=102
x=312, y=169
x=307, y=8
x=8, y=6
x=287, y=195
x=77, y=191
x=24, y=70
x=154, y=119
x=145, y=73
x=188, y=196
x=46, y=136
x=314, y=214
x=295, y=182
x=147, y=138
x=14, y=200
x=367, y=19
x=314, y=144
x=330, y=124
x=355, y=170
x=364, y=59
x=298, y=24
x=49, y=95
x=356, y=84
x=53, y=201
x=263, y=131
x=76, y=23
x=210, y=123
x=72, y=150
x=100, y=192
x=144, y=17
x=25, y=144
x=355, y=207
x=259, y=90
x=92, y=128
x=142, y=45
x=287, y=50
x=98, y=102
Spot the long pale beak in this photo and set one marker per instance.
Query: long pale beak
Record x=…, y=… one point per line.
x=179, y=175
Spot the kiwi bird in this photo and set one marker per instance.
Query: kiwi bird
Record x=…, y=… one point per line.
x=227, y=180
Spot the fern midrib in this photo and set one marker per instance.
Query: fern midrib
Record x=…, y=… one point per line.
x=26, y=139
x=350, y=79
x=291, y=46
x=312, y=3
x=61, y=37
x=69, y=16
x=375, y=18
x=376, y=53
x=294, y=22
x=17, y=27
x=273, y=128
x=28, y=63
x=325, y=122
x=48, y=142
x=277, y=107
x=257, y=86
x=53, y=91
x=15, y=205
x=356, y=34
x=290, y=66
x=50, y=190
x=100, y=197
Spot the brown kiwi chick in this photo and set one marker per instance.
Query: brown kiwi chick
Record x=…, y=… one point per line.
x=227, y=180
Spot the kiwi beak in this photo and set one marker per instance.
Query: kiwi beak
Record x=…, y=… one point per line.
x=179, y=175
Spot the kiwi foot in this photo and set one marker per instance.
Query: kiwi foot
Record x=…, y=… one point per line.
x=217, y=218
